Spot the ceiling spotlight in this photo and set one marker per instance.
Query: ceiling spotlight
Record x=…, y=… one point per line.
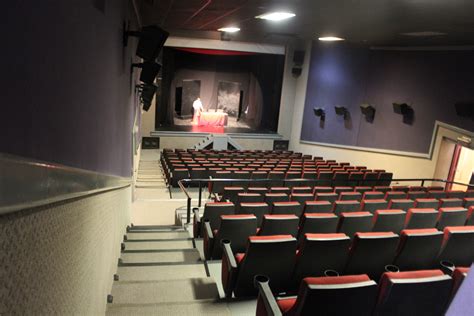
x=340, y=110
x=330, y=39
x=320, y=112
x=229, y=29
x=276, y=16
x=369, y=112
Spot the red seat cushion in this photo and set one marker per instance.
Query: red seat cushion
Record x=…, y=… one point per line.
x=274, y=237
x=345, y=279
x=325, y=236
x=413, y=274
x=410, y=232
x=285, y=304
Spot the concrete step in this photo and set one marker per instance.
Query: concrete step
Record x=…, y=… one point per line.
x=156, y=228
x=178, y=256
x=161, y=272
x=159, y=245
x=169, y=291
x=176, y=309
x=157, y=235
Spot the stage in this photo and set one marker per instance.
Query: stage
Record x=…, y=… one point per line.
x=187, y=136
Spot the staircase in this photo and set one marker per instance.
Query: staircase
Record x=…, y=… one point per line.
x=160, y=271
x=217, y=142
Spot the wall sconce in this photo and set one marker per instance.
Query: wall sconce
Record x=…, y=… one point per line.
x=369, y=112
x=340, y=110
x=320, y=112
x=405, y=110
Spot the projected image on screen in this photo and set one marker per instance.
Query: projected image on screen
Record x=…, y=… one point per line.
x=228, y=97
x=239, y=92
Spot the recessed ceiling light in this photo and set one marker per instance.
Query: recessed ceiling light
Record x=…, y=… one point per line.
x=229, y=29
x=276, y=16
x=330, y=39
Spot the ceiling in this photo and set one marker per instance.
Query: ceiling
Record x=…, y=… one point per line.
x=373, y=22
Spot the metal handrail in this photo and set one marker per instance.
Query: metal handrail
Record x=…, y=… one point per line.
x=212, y=180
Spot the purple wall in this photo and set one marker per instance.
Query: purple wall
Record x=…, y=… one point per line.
x=348, y=75
x=67, y=93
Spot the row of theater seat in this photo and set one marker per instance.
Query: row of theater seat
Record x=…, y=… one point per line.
x=348, y=193
x=238, y=228
x=278, y=257
x=286, y=218
x=424, y=292
x=393, y=199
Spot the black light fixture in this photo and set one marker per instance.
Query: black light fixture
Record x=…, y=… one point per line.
x=369, y=112
x=151, y=40
x=405, y=110
x=149, y=72
x=341, y=110
x=320, y=112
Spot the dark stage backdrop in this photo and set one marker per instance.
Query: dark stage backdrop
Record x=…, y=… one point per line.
x=348, y=75
x=222, y=77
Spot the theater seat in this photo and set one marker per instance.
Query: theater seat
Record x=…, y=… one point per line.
x=287, y=208
x=272, y=256
x=323, y=189
x=257, y=209
x=230, y=193
x=350, y=196
x=318, y=253
x=317, y=207
x=450, y=202
x=413, y=195
x=249, y=198
x=343, y=295
x=236, y=228
x=401, y=204
x=451, y=216
x=457, y=194
x=395, y=195
x=418, y=218
x=468, y=202
x=346, y=206
x=302, y=197
x=271, y=198
x=458, y=276
x=212, y=213
x=330, y=197
x=470, y=217
x=388, y=221
x=318, y=223
x=279, y=225
x=457, y=246
x=353, y=222
x=424, y=292
x=373, y=195
x=426, y=203
x=437, y=194
x=418, y=249
x=371, y=252
x=373, y=205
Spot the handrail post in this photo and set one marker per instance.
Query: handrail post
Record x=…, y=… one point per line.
x=188, y=211
x=423, y=182
x=200, y=193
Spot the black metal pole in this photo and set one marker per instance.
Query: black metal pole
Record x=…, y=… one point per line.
x=188, y=220
x=200, y=193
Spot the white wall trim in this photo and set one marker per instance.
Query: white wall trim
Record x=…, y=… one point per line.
x=428, y=155
x=187, y=42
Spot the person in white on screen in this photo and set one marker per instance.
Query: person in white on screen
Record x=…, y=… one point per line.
x=197, y=106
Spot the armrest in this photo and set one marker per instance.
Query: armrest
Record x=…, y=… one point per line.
x=229, y=268
x=208, y=240
x=196, y=223
x=265, y=296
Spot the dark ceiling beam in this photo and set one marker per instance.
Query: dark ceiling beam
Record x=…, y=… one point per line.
x=208, y=2
x=224, y=15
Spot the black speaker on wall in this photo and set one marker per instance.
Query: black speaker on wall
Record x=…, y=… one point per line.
x=296, y=71
x=152, y=39
x=298, y=57
x=178, y=100
x=465, y=109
